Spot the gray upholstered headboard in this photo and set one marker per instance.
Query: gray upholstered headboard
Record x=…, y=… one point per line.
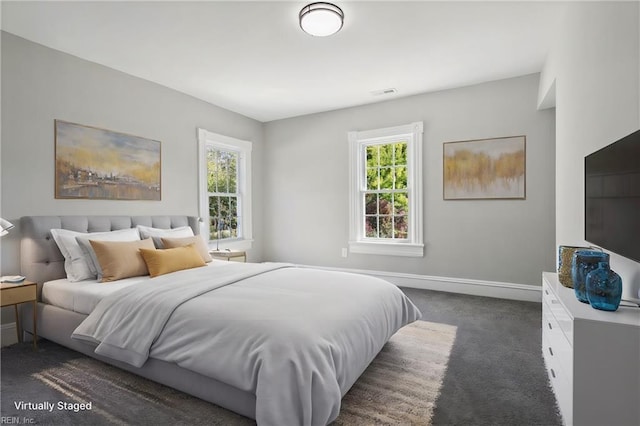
x=40, y=258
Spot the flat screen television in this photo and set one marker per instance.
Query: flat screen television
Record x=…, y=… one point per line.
x=612, y=197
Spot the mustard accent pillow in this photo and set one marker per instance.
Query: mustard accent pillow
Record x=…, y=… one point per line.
x=197, y=240
x=160, y=262
x=121, y=259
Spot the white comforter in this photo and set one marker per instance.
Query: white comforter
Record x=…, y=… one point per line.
x=297, y=338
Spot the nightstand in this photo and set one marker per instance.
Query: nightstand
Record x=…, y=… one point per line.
x=228, y=255
x=14, y=294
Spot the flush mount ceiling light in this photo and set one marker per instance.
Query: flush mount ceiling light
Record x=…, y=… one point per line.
x=321, y=19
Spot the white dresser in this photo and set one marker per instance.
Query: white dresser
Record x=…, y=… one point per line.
x=592, y=358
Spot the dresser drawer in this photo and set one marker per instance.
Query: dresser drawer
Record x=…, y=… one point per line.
x=560, y=382
x=552, y=362
x=589, y=392
x=555, y=344
x=548, y=295
x=565, y=322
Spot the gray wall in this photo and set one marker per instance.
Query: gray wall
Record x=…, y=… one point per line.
x=40, y=84
x=300, y=165
x=596, y=68
x=306, y=200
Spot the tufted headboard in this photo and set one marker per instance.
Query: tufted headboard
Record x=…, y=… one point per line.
x=40, y=258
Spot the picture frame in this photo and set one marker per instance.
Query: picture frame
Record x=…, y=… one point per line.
x=95, y=163
x=485, y=169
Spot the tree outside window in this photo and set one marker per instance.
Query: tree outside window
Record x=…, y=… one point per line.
x=222, y=179
x=386, y=198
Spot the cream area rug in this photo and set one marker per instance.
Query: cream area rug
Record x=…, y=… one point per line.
x=400, y=386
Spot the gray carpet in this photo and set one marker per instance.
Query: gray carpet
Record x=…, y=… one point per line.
x=495, y=374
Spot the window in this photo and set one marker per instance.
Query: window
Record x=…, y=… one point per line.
x=386, y=196
x=225, y=189
x=386, y=191
x=222, y=188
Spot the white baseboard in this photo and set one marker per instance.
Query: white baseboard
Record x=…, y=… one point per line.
x=8, y=334
x=500, y=290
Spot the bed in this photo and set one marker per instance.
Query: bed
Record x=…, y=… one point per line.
x=274, y=342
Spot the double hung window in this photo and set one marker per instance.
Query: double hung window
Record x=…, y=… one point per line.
x=225, y=189
x=386, y=191
x=223, y=192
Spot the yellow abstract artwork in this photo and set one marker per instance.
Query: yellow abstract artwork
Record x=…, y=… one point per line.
x=485, y=169
x=102, y=164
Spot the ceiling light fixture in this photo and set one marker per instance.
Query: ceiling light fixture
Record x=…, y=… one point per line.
x=321, y=19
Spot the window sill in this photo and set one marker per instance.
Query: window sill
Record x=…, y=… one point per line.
x=387, y=249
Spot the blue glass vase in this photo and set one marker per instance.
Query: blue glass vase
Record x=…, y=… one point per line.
x=585, y=261
x=604, y=288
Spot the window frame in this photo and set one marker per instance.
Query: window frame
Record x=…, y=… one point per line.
x=413, y=245
x=244, y=241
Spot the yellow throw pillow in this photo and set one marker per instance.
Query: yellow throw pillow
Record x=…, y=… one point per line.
x=160, y=262
x=121, y=259
x=200, y=245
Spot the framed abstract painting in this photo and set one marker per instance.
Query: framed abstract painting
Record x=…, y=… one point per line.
x=95, y=163
x=485, y=169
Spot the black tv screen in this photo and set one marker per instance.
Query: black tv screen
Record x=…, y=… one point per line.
x=612, y=197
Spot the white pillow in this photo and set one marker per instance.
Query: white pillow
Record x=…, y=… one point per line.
x=76, y=261
x=157, y=233
x=130, y=234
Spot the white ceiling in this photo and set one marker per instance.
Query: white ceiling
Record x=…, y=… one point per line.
x=252, y=57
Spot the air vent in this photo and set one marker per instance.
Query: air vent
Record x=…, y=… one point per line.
x=389, y=91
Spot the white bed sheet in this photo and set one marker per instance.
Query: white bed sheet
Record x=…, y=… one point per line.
x=82, y=296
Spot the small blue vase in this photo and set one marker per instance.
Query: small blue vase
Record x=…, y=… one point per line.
x=585, y=261
x=604, y=288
